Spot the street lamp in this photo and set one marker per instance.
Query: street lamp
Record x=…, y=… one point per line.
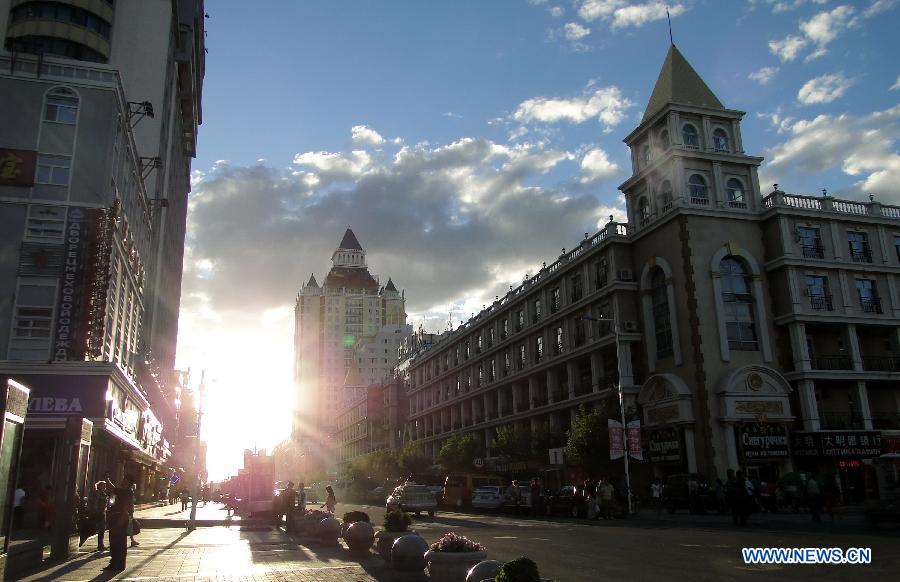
x=621, y=401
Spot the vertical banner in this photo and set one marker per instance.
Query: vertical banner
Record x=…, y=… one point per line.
x=68, y=336
x=616, y=439
x=634, y=440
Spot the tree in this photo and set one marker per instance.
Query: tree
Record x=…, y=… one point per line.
x=513, y=442
x=547, y=438
x=413, y=459
x=458, y=451
x=588, y=439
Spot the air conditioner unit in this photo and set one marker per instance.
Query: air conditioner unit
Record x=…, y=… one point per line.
x=631, y=326
x=626, y=275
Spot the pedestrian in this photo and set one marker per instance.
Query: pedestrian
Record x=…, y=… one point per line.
x=720, y=496
x=733, y=492
x=132, y=530
x=536, y=502
x=118, y=519
x=18, y=507
x=301, y=497
x=288, y=499
x=184, y=499
x=590, y=495
x=656, y=494
x=607, y=495
x=814, y=498
x=330, y=501
x=98, y=507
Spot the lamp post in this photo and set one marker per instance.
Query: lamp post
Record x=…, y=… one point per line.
x=621, y=402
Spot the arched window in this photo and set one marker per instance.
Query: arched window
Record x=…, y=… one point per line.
x=664, y=138
x=739, y=322
x=698, y=191
x=61, y=106
x=644, y=210
x=735, y=191
x=665, y=195
x=720, y=140
x=662, y=325
x=645, y=155
x=689, y=135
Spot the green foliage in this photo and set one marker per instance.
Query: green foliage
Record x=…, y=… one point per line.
x=588, y=439
x=374, y=467
x=355, y=516
x=396, y=520
x=413, y=459
x=519, y=570
x=458, y=452
x=513, y=442
x=547, y=438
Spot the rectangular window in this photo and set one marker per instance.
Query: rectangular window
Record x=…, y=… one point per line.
x=897, y=245
x=538, y=349
x=810, y=242
x=504, y=329
x=537, y=310
x=61, y=110
x=817, y=290
x=559, y=340
x=32, y=322
x=520, y=319
x=522, y=359
x=575, y=282
x=868, y=296
x=858, y=242
x=45, y=223
x=53, y=171
x=554, y=300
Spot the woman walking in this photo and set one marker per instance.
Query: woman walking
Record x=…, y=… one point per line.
x=118, y=519
x=99, y=507
x=331, y=502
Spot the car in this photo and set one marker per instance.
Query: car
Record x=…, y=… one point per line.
x=413, y=498
x=524, y=497
x=375, y=495
x=489, y=497
x=458, y=487
x=568, y=500
x=435, y=483
x=688, y=491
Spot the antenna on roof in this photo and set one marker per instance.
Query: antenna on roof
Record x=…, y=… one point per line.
x=669, y=19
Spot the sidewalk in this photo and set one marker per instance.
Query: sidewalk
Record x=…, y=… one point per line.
x=219, y=553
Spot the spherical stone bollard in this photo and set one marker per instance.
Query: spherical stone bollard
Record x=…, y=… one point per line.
x=408, y=553
x=328, y=530
x=486, y=570
x=360, y=536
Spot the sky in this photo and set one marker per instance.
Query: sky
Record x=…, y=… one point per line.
x=466, y=142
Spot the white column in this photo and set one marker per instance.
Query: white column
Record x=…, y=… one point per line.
x=486, y=402
x=488, y=441
x=572, y=372
x=853, y=341
x=848, y=298
x=731, y=448
x=838, y=241
x=501, y=402
x=597, y=370
x=719, y=194
x=862, y=397
x=516, y=405
x=649, y=331
x=690, y=450
x=736, y=135
x=809, y=408
x=762, y=321
x=673, y=322
x=474, y=416
x=799, y=347
x=724, y=350
x=552, y=384
x=626, y=372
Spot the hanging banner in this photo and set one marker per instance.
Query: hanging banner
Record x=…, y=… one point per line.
x=69, y=340
x=634, y=440
x=616, y=439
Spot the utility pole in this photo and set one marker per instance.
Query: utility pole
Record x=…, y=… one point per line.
x=195, y=487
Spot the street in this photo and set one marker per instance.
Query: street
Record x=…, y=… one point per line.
x=644, y=547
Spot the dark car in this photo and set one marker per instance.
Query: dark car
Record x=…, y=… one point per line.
x=688, y=491
x=569, y=500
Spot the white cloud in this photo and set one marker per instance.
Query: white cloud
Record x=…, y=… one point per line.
x=788, y=48
x=778, y=121
x=595, y=165
x=623, y=14
x=823, y=89
x=825, y=26
x=779, y=6
x=556, y=11
x=879, y=6
x=763, y=76
x=863, y=146
x=352, y=165
x=607, y=104
x=363, y=134
x=575, y=31
x=896, y=85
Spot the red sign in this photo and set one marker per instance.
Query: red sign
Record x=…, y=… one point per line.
x=616, y=439
x=17, y=167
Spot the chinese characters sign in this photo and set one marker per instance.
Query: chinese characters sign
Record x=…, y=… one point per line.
x=835, y=444
x=17, y=167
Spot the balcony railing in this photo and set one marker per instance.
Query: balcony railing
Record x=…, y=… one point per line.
x=829, y=204
x=840, y=421
x=831, y=362
x=821, y=302
x=861, y=255
x=538, y=402
x=506, y=410
x=582, y=389
x=881, y=363
x=560, y=395
x=813, y=251
x=870, y=304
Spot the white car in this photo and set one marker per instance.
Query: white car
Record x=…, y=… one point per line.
x=412, y=498
x=489, y=497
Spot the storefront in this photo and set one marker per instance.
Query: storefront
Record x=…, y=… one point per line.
x=668, y=418
x=665, y=450
x=887, y=467
x=844, y=454
x=764, y=449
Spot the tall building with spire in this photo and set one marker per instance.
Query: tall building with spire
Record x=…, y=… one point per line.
x=347, y=333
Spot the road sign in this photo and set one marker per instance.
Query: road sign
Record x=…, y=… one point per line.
x=556, y=456
x=478, y=462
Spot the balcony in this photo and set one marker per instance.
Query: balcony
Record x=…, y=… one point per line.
x=831, y=362
x=582, y=389
x=840, y=421
x=813, y=251
x=506, y=411
x=558, y=349
x=881, y=363
x=560, y=395
x=861, y=253
x=870, y=304
x=821, y=302
x=538, y=402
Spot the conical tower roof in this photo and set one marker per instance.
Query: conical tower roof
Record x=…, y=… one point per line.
x=390, y=286
x=349, y=241
x=312, y=281
x=678, y=82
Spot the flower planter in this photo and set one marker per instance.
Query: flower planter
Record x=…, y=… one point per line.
x=408, y=553
x=451, y=566
x=384, y=541
x=359, y=537
x=328, y=531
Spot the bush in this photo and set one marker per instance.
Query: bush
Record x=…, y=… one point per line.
x=453, y=542
x=355, y=516
x=519, y=570
x=396, y=520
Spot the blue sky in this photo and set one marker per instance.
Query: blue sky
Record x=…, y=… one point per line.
x=468, y=141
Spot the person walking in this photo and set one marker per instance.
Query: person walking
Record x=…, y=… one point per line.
x=301, y=497
x=132, y=530
x=330, y=501
x=656, y=494
x=535, y=491
x=18, y=510
x=607, y=494
x=288, y=499
x=184, y=499
x=99, y=505
x=814, y=498
x=118, y=519
x=590, y=497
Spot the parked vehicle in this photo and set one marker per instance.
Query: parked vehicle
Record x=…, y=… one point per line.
x=435, y=483
x=688, y=491
x=375, y=495
x=458, y=487
x=568, y=500
x=489, y=497
x=412, y=498
x=524, y=497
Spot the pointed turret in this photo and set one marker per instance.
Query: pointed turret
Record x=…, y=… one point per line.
x=390, y=286
x=312, y=281
x=678, y=82
x=349, y=241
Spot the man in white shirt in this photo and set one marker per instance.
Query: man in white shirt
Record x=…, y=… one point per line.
x=656, y=491
x=18, y=507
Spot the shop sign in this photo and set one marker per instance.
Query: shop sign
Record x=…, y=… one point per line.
x=664, y=445
x=68, y=337
x=60, y=405
x=760, y=441
x=890, y=445
x=17, y=167
x=64, y=395
x=837, y=444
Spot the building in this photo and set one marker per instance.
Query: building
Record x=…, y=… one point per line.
x=748, y=330
x=346, y=336
x=100, y=103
